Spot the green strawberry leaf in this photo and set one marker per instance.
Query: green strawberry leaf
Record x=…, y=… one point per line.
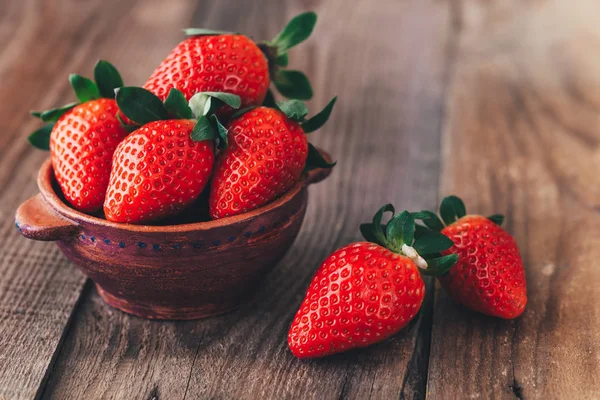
x=85, y=89
x=221, y=130
x=230, y=99
x=41, y=138
x=107, y=78
x=369, y=234
x=293, y=109
x=293, y=85
x=141, y=105
x=177, y=105
x=420, y=230
x=282, y=60
x=441, y=265
x=432, y=242
x=498, y=219
x=200, y=105
x=203, y=130
x=205, y=32
x=296, y=31
x=315, y=159
x=205, y=103
x=400, y=230
x=317, y=121
x=53, y=114
x=430, y=220
x=451, y=209
x=378, y=228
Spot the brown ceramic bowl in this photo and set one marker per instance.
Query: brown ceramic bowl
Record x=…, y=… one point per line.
x=183, y=271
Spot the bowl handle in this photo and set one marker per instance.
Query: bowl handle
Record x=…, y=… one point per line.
x=36, y=220
x=318, y=174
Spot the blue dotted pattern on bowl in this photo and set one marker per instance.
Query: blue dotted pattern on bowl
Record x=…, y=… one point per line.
x=178, y=246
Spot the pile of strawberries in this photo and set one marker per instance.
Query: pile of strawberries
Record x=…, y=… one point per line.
x=367, y=291
x=205, y=115
x=207, y=119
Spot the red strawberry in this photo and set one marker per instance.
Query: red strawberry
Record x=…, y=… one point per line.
x=161, y=168
x=266, y=154
x=489, y=275
x=222, y=63
x=158, y=171
x=364, y=292
x=215, y=61
x=82, y=138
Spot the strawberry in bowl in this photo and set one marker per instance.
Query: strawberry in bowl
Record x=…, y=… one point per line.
x=83, y=136
x=217, y=61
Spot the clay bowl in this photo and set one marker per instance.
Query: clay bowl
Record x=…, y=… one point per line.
x=186, y=271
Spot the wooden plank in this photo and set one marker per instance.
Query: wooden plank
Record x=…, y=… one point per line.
x=522, y=139
x=388, y=64
x=42, y=44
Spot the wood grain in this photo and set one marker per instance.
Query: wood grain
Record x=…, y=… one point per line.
x=512, y=87
x=522, y=139
x=43, y=42
x=385, y=134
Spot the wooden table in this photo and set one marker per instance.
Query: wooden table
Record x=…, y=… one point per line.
x=497, y=101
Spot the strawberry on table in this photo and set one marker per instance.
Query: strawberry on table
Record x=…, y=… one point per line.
x=489, y=275
x=267, y=151
x=217, y=61
x=366, y=292
x=162, y=167
x=82, y=137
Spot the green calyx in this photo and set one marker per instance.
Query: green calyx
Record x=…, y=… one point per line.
x=429, y=237
x=143, y=106
x=106, y=80
x=296, y=31
x=452, y=208
x=296, y=111
x=290, y=83
x=402, y=236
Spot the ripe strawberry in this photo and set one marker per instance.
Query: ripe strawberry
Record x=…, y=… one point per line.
x=223, y=63
x=162, y=167
x=82, y=137
x=489, y=275
x=216, y=61
x=266, y=152
x=366, y=292
x=158, y=171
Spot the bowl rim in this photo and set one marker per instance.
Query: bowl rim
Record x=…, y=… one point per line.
x=46, y=175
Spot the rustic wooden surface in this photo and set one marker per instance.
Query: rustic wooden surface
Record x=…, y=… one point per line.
x=523, y=123
x=497, y=101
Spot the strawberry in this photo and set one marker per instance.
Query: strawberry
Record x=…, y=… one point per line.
x=266, y=153
x=162, y=167
x=82, y=138
x=489, y=277
x=366, y=292
x=225, y=62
